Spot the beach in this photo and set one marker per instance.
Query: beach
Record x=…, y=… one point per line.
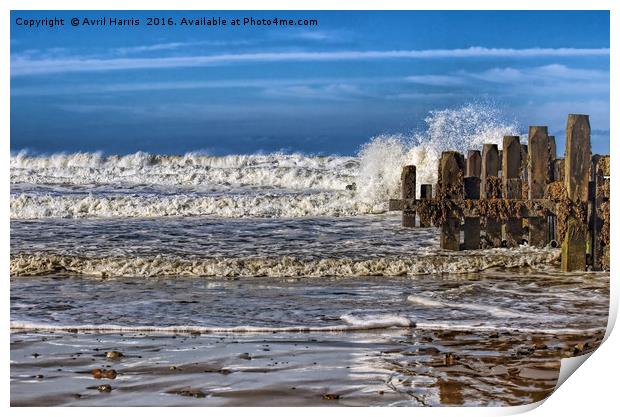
x=465, y=354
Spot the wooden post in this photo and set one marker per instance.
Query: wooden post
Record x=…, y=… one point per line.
x=471, y=226
x=540, y=175
x=511, y=168
x=474, y=164
x=426, y=193
x=407, y=179
x=525, y=162
x=450, y=186
x=577, y=162
x=600, y=216
x=488, y=176
x=524, y=173
x=553, y=148
x=558, y=170
x=501, y=158
x=558, y=175
x=551, y=218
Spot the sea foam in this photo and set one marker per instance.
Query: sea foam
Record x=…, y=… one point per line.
x=279, y=266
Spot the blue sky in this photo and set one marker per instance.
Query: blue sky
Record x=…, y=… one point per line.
x=324, y=89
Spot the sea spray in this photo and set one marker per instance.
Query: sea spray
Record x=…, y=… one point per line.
x=460, y=129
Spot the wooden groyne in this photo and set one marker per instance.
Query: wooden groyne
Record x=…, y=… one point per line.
x=519, y=194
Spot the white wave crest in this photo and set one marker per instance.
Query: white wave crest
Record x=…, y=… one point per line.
x=352, y=324
x=285, y=266
x=33, y=206
x=193, y=170
x=111, y=328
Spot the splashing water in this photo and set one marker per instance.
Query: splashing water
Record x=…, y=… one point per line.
x=460, y=129
x=84, y=185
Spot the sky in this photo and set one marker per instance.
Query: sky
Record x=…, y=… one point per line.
x=319, y=89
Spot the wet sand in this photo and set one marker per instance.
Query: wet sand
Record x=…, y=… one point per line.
x=407, y=367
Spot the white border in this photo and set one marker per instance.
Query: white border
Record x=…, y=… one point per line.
x=591, y=392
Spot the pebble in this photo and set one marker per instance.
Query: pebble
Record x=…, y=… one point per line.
x=104, y=388
x=113, y=354
x=110, y=374
x=192, y=393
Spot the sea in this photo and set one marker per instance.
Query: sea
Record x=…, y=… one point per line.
x=276, y=279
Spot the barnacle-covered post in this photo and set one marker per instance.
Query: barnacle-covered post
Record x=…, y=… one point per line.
x=426, y=193
x=511, y=184
x=471, y=225
x=600, y=216
x=450, y=186
x=558, y=176
x=407, y=179
x=540, y=175
x=577, y=162
x=489, y=188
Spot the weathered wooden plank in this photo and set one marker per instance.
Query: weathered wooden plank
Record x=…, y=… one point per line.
x=599, y=227
x=551, y=219
x=408, y=188
x=553, y=148
x=473, y=208
x=511, y=158
x=489, y=166
x=511, y=168
x=540, y=175
x=513, y=226
x=426, y=193
x=578, y=157
x=574, y=246
x=525, y=162
x=450, y=186
x=489, y=177
x=558, y=169
x=474, y=164
x=577, y=162
x=558, y=175
x=540, y=166
x=471, y=225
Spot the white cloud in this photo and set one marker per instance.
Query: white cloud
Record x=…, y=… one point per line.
x=552, y=72
x=175, y=45
x=22, y=66
x=150, y=48
x=339, y=91
x=436, y=80
x=194, y=85
x=553, y=79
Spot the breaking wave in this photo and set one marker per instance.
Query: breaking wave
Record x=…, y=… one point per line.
x=284, y=266
x=275, y=185
x=272, y=205
x=190, y=171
